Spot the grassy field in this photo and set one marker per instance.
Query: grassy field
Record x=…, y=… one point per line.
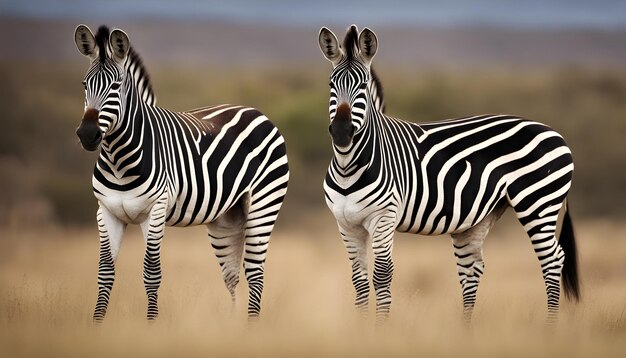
x=48, y=290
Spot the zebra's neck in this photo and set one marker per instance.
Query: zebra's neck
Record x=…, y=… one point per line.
x=122, y=158
x=121, y=155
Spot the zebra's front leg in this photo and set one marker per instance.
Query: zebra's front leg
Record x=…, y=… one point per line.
x=382, y=246
x=111, y=231
x=153, y=232
x=356, y=245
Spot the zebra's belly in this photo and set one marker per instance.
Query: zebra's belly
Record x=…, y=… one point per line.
x=177, y=218
x=439, y=229
x=449, y=219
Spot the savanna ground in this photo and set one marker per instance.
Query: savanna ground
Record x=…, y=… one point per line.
x=48, y=290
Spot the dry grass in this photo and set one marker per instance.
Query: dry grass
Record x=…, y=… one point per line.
x=48, y=290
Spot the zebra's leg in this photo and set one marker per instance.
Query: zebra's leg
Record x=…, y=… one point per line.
x=111, y=231
x=227, y=238
x=382, y=247
x=540, y=225
x=262, y=215
x=356, y=241
x=153, y=229
x=468, y=249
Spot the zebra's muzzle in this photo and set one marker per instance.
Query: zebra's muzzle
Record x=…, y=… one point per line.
x=341, y=128
x=89, y=131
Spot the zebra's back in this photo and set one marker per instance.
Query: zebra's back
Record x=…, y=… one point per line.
x=239, y=151
x=470, y=166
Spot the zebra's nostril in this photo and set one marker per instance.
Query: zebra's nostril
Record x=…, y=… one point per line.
x=330, y=129
x=80, y=132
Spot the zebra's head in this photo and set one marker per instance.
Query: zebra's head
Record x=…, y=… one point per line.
x=108, y=52
x=349, y=80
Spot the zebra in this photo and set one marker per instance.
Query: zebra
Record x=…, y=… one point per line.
x=223, y=166
x=454, y=177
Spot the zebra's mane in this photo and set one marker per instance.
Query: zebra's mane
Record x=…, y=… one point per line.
x=379, y=89
x=351, y=42
x=102, y=38
x=137, y=70
x=350, y=47
x=141, y=76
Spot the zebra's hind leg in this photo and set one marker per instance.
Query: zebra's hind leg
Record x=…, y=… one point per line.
x=468, y=250
x=227, y=238
x=111, y=231
x=540, y=225
x=264, y=209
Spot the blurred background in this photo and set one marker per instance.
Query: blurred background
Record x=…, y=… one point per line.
x=562, y=63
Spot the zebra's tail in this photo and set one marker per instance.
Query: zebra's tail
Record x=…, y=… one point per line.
x=567, y=241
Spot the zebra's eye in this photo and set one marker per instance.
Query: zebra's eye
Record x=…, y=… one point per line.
x=85, y=84
x=363, y=85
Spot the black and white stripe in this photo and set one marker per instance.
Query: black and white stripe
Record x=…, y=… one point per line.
x=223, y=166
x=452, y=177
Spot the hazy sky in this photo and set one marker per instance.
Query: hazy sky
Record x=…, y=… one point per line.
x=527, y=13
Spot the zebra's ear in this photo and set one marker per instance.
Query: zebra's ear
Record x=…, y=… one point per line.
x=329, y=45
x=120, y=45
x=368, y=44
x=86, y=42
